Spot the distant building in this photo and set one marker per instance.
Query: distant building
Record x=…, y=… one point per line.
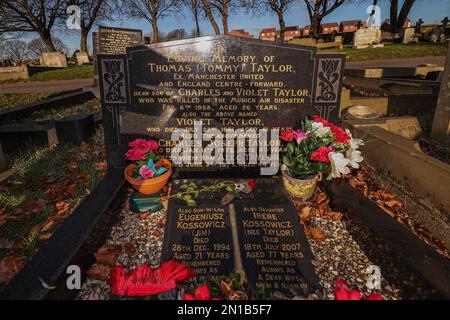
x=269, y=34
x=241, y=33
x=329, y=28
x=292, y=32
x=306, y=31
x=386, y=23
x=350, y=26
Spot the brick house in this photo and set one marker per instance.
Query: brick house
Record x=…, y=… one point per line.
x=269, y=34
x=292, y=32
x=386, y=23
x=329, y=28
x=241, y=33
x=350, y=26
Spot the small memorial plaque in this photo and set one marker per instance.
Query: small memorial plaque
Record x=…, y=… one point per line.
x=275, y=252
x=117, y=40
x=200, y=237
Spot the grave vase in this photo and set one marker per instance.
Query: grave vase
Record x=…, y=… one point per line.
x=299, y=189
x=149, y=186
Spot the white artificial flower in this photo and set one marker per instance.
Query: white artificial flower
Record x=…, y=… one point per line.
x=354, y=156
x=320, y=130
x=339, y=165
x=354, y=143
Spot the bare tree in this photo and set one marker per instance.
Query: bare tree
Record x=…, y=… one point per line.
x=92, y=11
x=151, y=10
x=16, y=50
x=195, y=7
x=36, y=47
x=397, y=20
x=224, y=8
x=210, y=14
x=278, y=7
x=31, y=16
x=319, y=9
x=176, y=34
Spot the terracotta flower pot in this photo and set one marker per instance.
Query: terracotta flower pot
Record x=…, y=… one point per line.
x=149, y=186
x=299, y=190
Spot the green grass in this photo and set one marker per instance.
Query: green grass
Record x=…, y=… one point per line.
x=10, y=100
x=395, y=51
x=72, y=72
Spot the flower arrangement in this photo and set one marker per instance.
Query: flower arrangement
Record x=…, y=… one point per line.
x=320, y=147
x=145, y=154
x=149, y=172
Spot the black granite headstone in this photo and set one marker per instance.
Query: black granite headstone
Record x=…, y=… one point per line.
x=226, y=82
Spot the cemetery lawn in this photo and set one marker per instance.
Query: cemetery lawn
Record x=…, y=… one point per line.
x=72, y=72
x=395, y=51
x=48, y=184
x=10, y=100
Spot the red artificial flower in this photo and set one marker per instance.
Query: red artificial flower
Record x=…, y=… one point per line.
x=251, y=184
x=342, y=292
x=374, y=296
x=323, y=121
x=139, y=148
x=287, y=135
x=202, y=293
x=340, y=135
x=321, y=154
x=146, y=281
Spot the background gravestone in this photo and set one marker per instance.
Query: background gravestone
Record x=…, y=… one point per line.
x=367, y=37
x=53, y=59
x=110, y=40
x=82, y=57
x=224, y=81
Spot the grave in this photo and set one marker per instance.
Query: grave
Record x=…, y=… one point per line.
x=53, y=60
x=82, y=57
x=110, y=40
x=367, y=38
x=409, y=36
x=151, y=91
x=13, y=73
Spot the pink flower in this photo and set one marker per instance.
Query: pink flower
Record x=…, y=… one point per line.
x=287, y=135
x=202, y=293
x=139, y=149
x=134, y=155
x=299, y=136
x=321, y=154
x=146, y=173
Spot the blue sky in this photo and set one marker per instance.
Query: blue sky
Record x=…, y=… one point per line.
x=431, y=11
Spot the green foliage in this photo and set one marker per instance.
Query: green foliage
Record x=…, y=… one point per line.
x=191, y=191
x=395, y=51
x=149, y=156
